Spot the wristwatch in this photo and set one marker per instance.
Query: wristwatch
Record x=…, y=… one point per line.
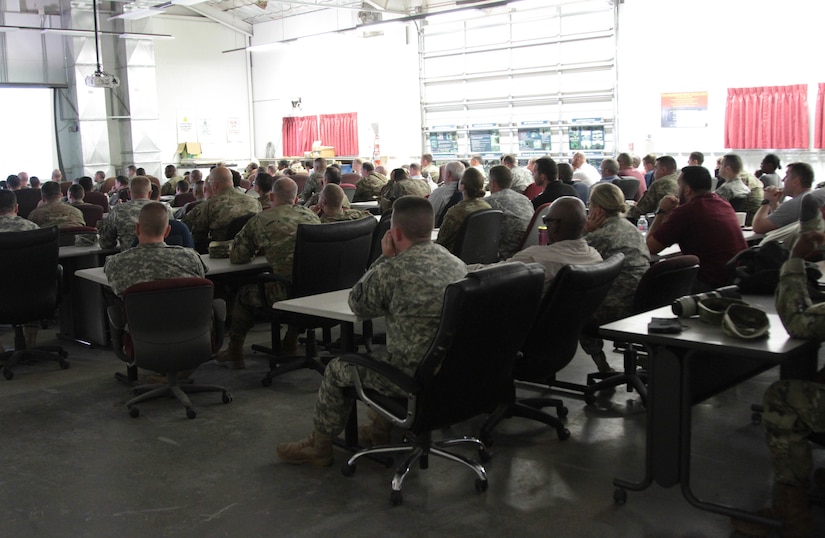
x=766, y=202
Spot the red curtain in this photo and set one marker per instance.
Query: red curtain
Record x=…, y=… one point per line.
x=819, y=130
x=298, y=134
x=341, y=132
x=770, y=117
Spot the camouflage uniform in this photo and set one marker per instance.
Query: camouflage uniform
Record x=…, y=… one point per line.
x=58, y=214
x=368, y=188
x=408, y=290
x=617, y=234
x=649, y=201
x=150, y=262
x=209, y=219
x=14, y=223
x=119, y=225
x=265, y=202
x=794, y=409
x=314, y=201
x=448, y=233
x=518, y=212
x=756, y=195
x=311, y=187
x=522, y=179
x=399, y=188
x=346, y=214
x=432, y=171
x=168, y=188
x=273, y=233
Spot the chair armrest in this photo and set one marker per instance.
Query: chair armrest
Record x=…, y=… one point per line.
x=266, y=278
x=391, y=373
x=218, y=322
x=117, y=322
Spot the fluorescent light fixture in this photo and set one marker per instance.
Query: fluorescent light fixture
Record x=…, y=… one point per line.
x=7, y=29
x=136, y=14
x=68, y=31
x=187, y=2
x=146, y=36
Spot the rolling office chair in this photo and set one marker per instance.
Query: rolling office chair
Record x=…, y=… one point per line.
x=665, y=281
x=531, y=235
x=68, y=235
x=349, y=190
x=465, y=372
x=328, y=257
x=573, y=297
x=170, y=330
x=236, y=225
x=27, y=200
x=30, y=279
x=479, y=238
x=92, y=214
x=629, y=186
x=97, y=198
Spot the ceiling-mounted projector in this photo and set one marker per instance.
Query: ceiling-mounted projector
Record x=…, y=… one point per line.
x=101, y=79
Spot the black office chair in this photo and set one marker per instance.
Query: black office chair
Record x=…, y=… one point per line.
x=170, y=330
x=68, y=235
x=236, y=225
x=739, y=204
x=479, y=237
x=665, y=281
x=377, y=234
x=30, y=279
x=573, y=297
x=328, y=257
x=349, y=190
x=629, y=187
x=27, y=200
x=465, y=372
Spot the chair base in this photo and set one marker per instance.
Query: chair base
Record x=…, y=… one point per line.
x=419, y=451
x=527, y=408
x=152, y=391
x=21, y=353
x=280, y=364
x=632, y=377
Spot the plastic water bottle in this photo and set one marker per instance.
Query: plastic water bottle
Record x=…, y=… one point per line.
x=641, y=224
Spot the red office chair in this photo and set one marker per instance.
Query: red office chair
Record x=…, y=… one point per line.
x=531, y=235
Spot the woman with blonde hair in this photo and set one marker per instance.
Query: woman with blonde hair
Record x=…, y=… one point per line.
x=472, y=189
x=608, y=231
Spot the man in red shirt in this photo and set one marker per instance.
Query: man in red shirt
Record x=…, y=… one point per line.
x=703, y=224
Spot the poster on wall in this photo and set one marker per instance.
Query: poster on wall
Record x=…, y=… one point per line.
x=586, y=134
x=685, y=109
x=233, y=129
x=443, y=140
x=534, y=138
x=485, y=140
x=186, y=127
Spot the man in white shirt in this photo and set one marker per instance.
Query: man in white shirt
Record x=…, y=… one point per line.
x=584, y=171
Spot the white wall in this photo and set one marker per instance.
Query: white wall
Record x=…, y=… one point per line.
x=377, y=77
x=712, y=45
x=196, y=77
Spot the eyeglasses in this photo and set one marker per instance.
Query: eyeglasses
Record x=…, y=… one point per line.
x=550, y=219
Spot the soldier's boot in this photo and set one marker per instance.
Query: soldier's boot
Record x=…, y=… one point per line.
x=315, y=450
x=791, y=507
x=232, y=356
x=289, y=345
x=377, y=432
x=30, y=333
x=601, y=362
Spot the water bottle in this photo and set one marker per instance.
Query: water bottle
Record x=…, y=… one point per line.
x=543, y=239
x=641, y=224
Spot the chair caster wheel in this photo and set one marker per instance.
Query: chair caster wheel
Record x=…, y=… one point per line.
x=563, y=434
x=191, y=413
x=266, y=382
x=589, y=399
x=348, y=469
x=134, y=412
x=226, y=398
x=64, y=365
x=396, y=498
x=562, y=412
x=619, y=496
x=483, y=455
x=481, y=485
x=8, y=374
x=756, y=418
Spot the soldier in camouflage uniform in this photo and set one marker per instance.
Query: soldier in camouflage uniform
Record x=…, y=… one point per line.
x=400, y=184
x=208, y=220
x=517, y=209
x=369, y=186
x=609, y=232
x=152, y=259
x=428, y=169
x=54, y=212
x=9, y=220
x=472, y=185
x=406, y=286
x=794, y=409
x=273, y=233
x=118, y=229
x=314, y=182
x=330, y=206
x=665, y=181
x=331, y=175
x=172, y=179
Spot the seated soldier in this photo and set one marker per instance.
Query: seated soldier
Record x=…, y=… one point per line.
x=330, y=206
x=54, y=212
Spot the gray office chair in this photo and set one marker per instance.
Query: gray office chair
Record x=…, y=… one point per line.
x=629, y=186
x=479, y=237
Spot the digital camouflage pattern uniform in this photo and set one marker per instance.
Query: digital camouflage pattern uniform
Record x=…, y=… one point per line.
x=617, y=234
x=756, y=195
x=408, y=290
x=149, y=262
x=314, y=201
x=396, y=189
x=432, y=171
x=311, y=188
x=347, y=214
x=649, y=202
x=15, y=223
x=794, y=409
x=369, y=188
x=522, y=178
x=58, y=214
x=518, y=212
x=168, y=188
x=273, y=233
x=448, y=233
x=264, y=200
x=208, y=220
x=119, y=225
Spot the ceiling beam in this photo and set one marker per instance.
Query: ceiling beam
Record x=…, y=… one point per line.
x=222, y=17
x=375, y=9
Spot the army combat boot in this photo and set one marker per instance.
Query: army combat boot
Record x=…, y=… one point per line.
x=315, y=450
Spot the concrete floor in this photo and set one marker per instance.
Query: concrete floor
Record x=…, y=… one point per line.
x=75, y=464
